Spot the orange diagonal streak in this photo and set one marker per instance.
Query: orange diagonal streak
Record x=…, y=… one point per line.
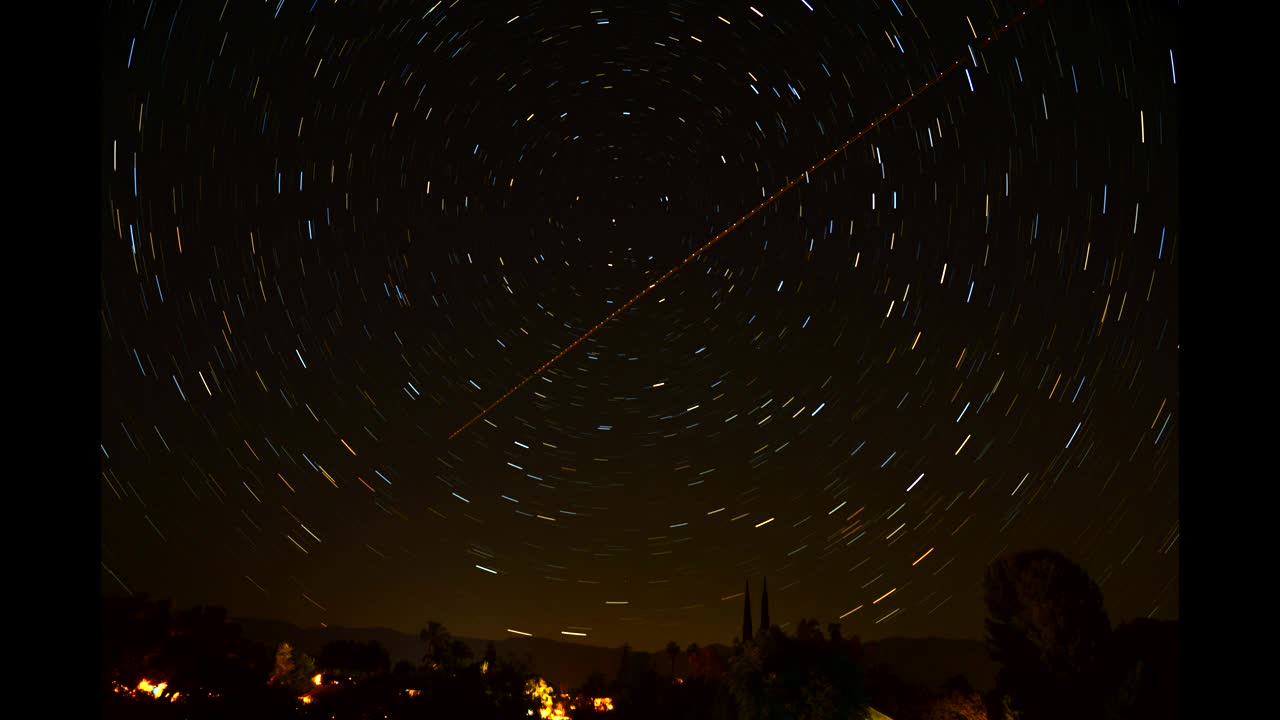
x=710, y=243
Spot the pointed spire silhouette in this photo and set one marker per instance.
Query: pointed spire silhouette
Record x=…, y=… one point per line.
x=764, y=608
x=746, y=615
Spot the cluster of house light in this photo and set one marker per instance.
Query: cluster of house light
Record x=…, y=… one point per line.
x=551, y=709
x=146, y=687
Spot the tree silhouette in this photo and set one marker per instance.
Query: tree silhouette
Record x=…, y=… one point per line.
x=1145, y=656
x=443, y=651
x=284, y=664
x=625, y=661
x=207, y=654
x=134, y=632
x=637, y=689
x=195, y=657
x=673, y=652
x=807, y=631
x=293, y=670
x=456, y=654
x=1047, y=629
x=746, y=615
x=810, y=678
x=436, y=639
x=691, y=654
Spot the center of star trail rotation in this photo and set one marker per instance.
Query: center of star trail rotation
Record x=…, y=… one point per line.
x=874, y=124
x=332, y=231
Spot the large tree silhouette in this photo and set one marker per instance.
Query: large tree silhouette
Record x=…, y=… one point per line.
x=293, y=669
x=1145, y=664
x=134, y=632
x=806, y=677
x=691, y=654
x=443, y=651
x=1048, y=630
x=207, y=654
x=436, y=638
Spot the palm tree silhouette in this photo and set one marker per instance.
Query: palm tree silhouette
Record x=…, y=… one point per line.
x=436, y=638
x=673, y=650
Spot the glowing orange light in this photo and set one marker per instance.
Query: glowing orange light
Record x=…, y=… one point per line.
x=146, y=686
x=316, y=679
x=155, y=690
x=540, y=691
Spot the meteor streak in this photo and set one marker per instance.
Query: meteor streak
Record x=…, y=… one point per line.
x=764, y=204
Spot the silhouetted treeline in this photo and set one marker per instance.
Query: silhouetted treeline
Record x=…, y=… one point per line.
x=203, y=665
x=1058, y=658
x=195, y=665
x=775, y=676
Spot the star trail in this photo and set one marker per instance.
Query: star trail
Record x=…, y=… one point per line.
x=335, y=236
x=726, y=231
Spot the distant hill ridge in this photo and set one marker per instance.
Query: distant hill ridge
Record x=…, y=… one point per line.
x=561, y=663
x=917, y=661
x=932, y=661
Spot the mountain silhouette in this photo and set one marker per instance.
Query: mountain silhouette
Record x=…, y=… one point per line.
x=930, y=662
x=565, y=664
x=916, y=661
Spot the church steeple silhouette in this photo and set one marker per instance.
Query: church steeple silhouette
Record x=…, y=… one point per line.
x=746, y=615
x=764, y=608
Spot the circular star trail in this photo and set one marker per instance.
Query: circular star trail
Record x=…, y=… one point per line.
x=332, y=233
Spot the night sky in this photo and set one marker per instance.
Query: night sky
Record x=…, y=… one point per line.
x=334, y=231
